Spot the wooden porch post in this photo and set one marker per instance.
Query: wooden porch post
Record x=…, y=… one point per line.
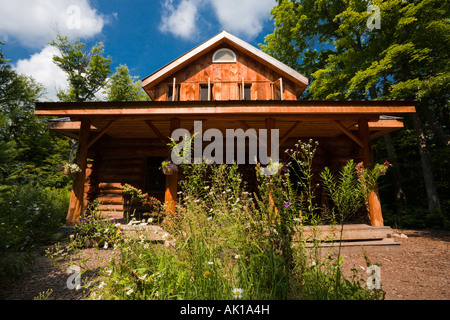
x=170, y=196
x=76, y=205
x=270, y=124
x=376, y=216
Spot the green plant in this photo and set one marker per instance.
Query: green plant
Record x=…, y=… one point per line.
x=29, y=216
x=95, y=231
x=225, y=243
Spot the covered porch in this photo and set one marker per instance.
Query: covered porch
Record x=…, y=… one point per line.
x=115, y=133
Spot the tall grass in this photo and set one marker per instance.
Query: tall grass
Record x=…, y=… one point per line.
x=226, y=243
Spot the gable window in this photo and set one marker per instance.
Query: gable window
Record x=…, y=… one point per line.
x=224, y=56
x=205, y=94
x=170, y=93
x=246, y=92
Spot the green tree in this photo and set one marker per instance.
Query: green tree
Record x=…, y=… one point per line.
x=407, y=57
x=87, y=70
x=29, y=152
x=123, y=87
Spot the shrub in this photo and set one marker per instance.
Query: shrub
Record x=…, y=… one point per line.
x=29, y=216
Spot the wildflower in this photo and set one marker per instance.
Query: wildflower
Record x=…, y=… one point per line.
x=143, y=277
x=237, y=256
x=128, y=291
x=142, y=237
x=210, y=262
x=105, y=246
x=227, y=276
x=102, y=284
x=287, y=204
x=146, y=246
x=165, y=235
x=207, y=273
x=334, y=264
x=237, y=293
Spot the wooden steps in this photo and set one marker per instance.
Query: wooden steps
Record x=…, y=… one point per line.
x=354, y=236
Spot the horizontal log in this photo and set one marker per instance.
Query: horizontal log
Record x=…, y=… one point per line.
x=110, y=186
x=122, y=169
x=119, y=177
x=118, y=153
x=135, y=143
x=120, y=162
x=111, y=207
x=110, y=192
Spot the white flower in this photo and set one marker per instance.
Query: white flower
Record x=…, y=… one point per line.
x=102, y=284
x=143, y=277
x=165, y=235
x=237, y=293
x=237, y=256
x=210, y=262
x=105, y=246
x=128, y=291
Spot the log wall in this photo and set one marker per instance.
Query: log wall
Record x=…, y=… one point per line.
x=123, y=161
x=118, y=162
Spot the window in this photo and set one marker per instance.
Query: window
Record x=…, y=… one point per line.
x=277, y=90
x=247, y=93
x=224, y=56
x=170, y=93
x=204, y=96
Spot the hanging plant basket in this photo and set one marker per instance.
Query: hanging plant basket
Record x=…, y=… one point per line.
x=169, y=168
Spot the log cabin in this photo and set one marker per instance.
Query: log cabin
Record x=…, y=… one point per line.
x=226, y=84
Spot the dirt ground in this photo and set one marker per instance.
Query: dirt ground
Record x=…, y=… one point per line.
x=418, y=269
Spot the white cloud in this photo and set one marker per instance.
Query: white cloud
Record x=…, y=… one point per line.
x=180, y=20
x=34, y=22
x=41, y=67
x=243, y=17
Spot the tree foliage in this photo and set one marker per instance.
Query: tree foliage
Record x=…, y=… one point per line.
x=405, y=57
x=87, y=70
x=124, y=87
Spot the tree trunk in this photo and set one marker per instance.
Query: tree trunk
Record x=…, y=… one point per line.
x=435, y=126
x=430, y=185
x=400, y=196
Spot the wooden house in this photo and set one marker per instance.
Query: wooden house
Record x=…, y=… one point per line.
x=227, y=84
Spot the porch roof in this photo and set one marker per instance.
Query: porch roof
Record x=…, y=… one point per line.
x=295, y=119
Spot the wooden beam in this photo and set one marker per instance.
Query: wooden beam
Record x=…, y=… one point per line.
x=196, y=108
x=376, y=216
x=163, y=138
x=289, y=132
x=77, y=195
x=101, y=133
x=348, y=133
x=170, y=196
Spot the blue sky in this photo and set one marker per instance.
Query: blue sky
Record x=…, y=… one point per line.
x=144, y=35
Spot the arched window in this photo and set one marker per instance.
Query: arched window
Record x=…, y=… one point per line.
x=224, y=56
